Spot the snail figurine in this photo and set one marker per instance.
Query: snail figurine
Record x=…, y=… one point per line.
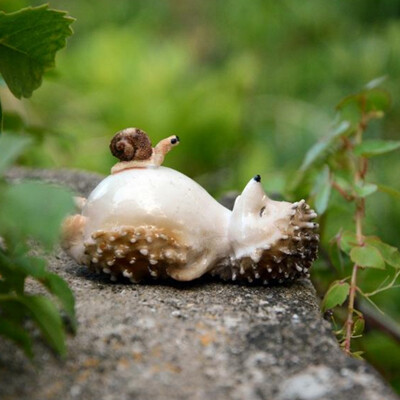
x=145, y=221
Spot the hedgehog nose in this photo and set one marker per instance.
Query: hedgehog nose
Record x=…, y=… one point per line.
x=175, y=140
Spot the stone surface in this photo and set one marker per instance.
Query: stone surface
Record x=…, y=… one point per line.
x=199, y=340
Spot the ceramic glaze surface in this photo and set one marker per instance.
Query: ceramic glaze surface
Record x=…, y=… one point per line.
x=153, y=196
x=145, y=221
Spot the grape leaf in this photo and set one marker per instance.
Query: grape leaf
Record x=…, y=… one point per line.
x=367, y=256
x=347, y=240
x=390, y=254
x=336, y=295
x=29, y=40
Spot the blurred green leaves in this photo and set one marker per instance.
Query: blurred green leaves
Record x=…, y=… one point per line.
x=367, y=100
x=31, y=212
x=341, y=161
x=389, y=190
x=11, y=146
x=38, y=207
x=370, y=148
x=29, y=40
x=322, y=149
x=364, y=189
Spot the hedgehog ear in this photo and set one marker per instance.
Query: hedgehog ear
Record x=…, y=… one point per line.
x=251, y=199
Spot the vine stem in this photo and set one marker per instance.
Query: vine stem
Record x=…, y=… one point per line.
x=360, y=172
x=353, y=282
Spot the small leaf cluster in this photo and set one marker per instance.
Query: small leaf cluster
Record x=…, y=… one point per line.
x=336, y=168
x=31, y=212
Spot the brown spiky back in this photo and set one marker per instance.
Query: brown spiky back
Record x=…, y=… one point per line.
x=136, y=253
x=290, y=257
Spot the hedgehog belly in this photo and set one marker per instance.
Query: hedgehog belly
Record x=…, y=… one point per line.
x=136, y=253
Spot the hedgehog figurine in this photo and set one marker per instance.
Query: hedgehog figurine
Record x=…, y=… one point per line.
x=145, y=221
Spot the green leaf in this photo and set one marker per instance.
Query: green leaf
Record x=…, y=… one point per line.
x=390, y=191
x=366, y=189
x=359, y=325
x=46, y=316
x=377, y=100
x=367, y=256
x=358, y=355
x=340, y=130
x=347, y=240
x=390, y=254
x=322, y=190
x=370, y=148
x=313, y=153
x=375, y=82
x=11, y=309
x=11, y=146
x=1, y=118
x=34, y=210
x=17, y=334
x=320, y=150
x=14, y=276
x=367, y=100
x=32, y=266
x=29, y=40
x=335, y=254
x=59, y=288
x=336, y=295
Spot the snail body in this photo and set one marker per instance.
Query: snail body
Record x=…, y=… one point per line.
x=149, y=221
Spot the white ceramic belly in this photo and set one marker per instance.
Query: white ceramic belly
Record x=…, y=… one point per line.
x=159, y=196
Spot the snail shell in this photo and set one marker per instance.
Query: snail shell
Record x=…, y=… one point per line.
x=131, y=144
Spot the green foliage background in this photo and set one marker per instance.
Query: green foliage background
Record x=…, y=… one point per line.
x=248, y=86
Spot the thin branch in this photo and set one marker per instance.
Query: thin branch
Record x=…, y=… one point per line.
x=390, y=285
x=381, y=290
x=370, y=301
x=383, y=282
x=341, y=191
